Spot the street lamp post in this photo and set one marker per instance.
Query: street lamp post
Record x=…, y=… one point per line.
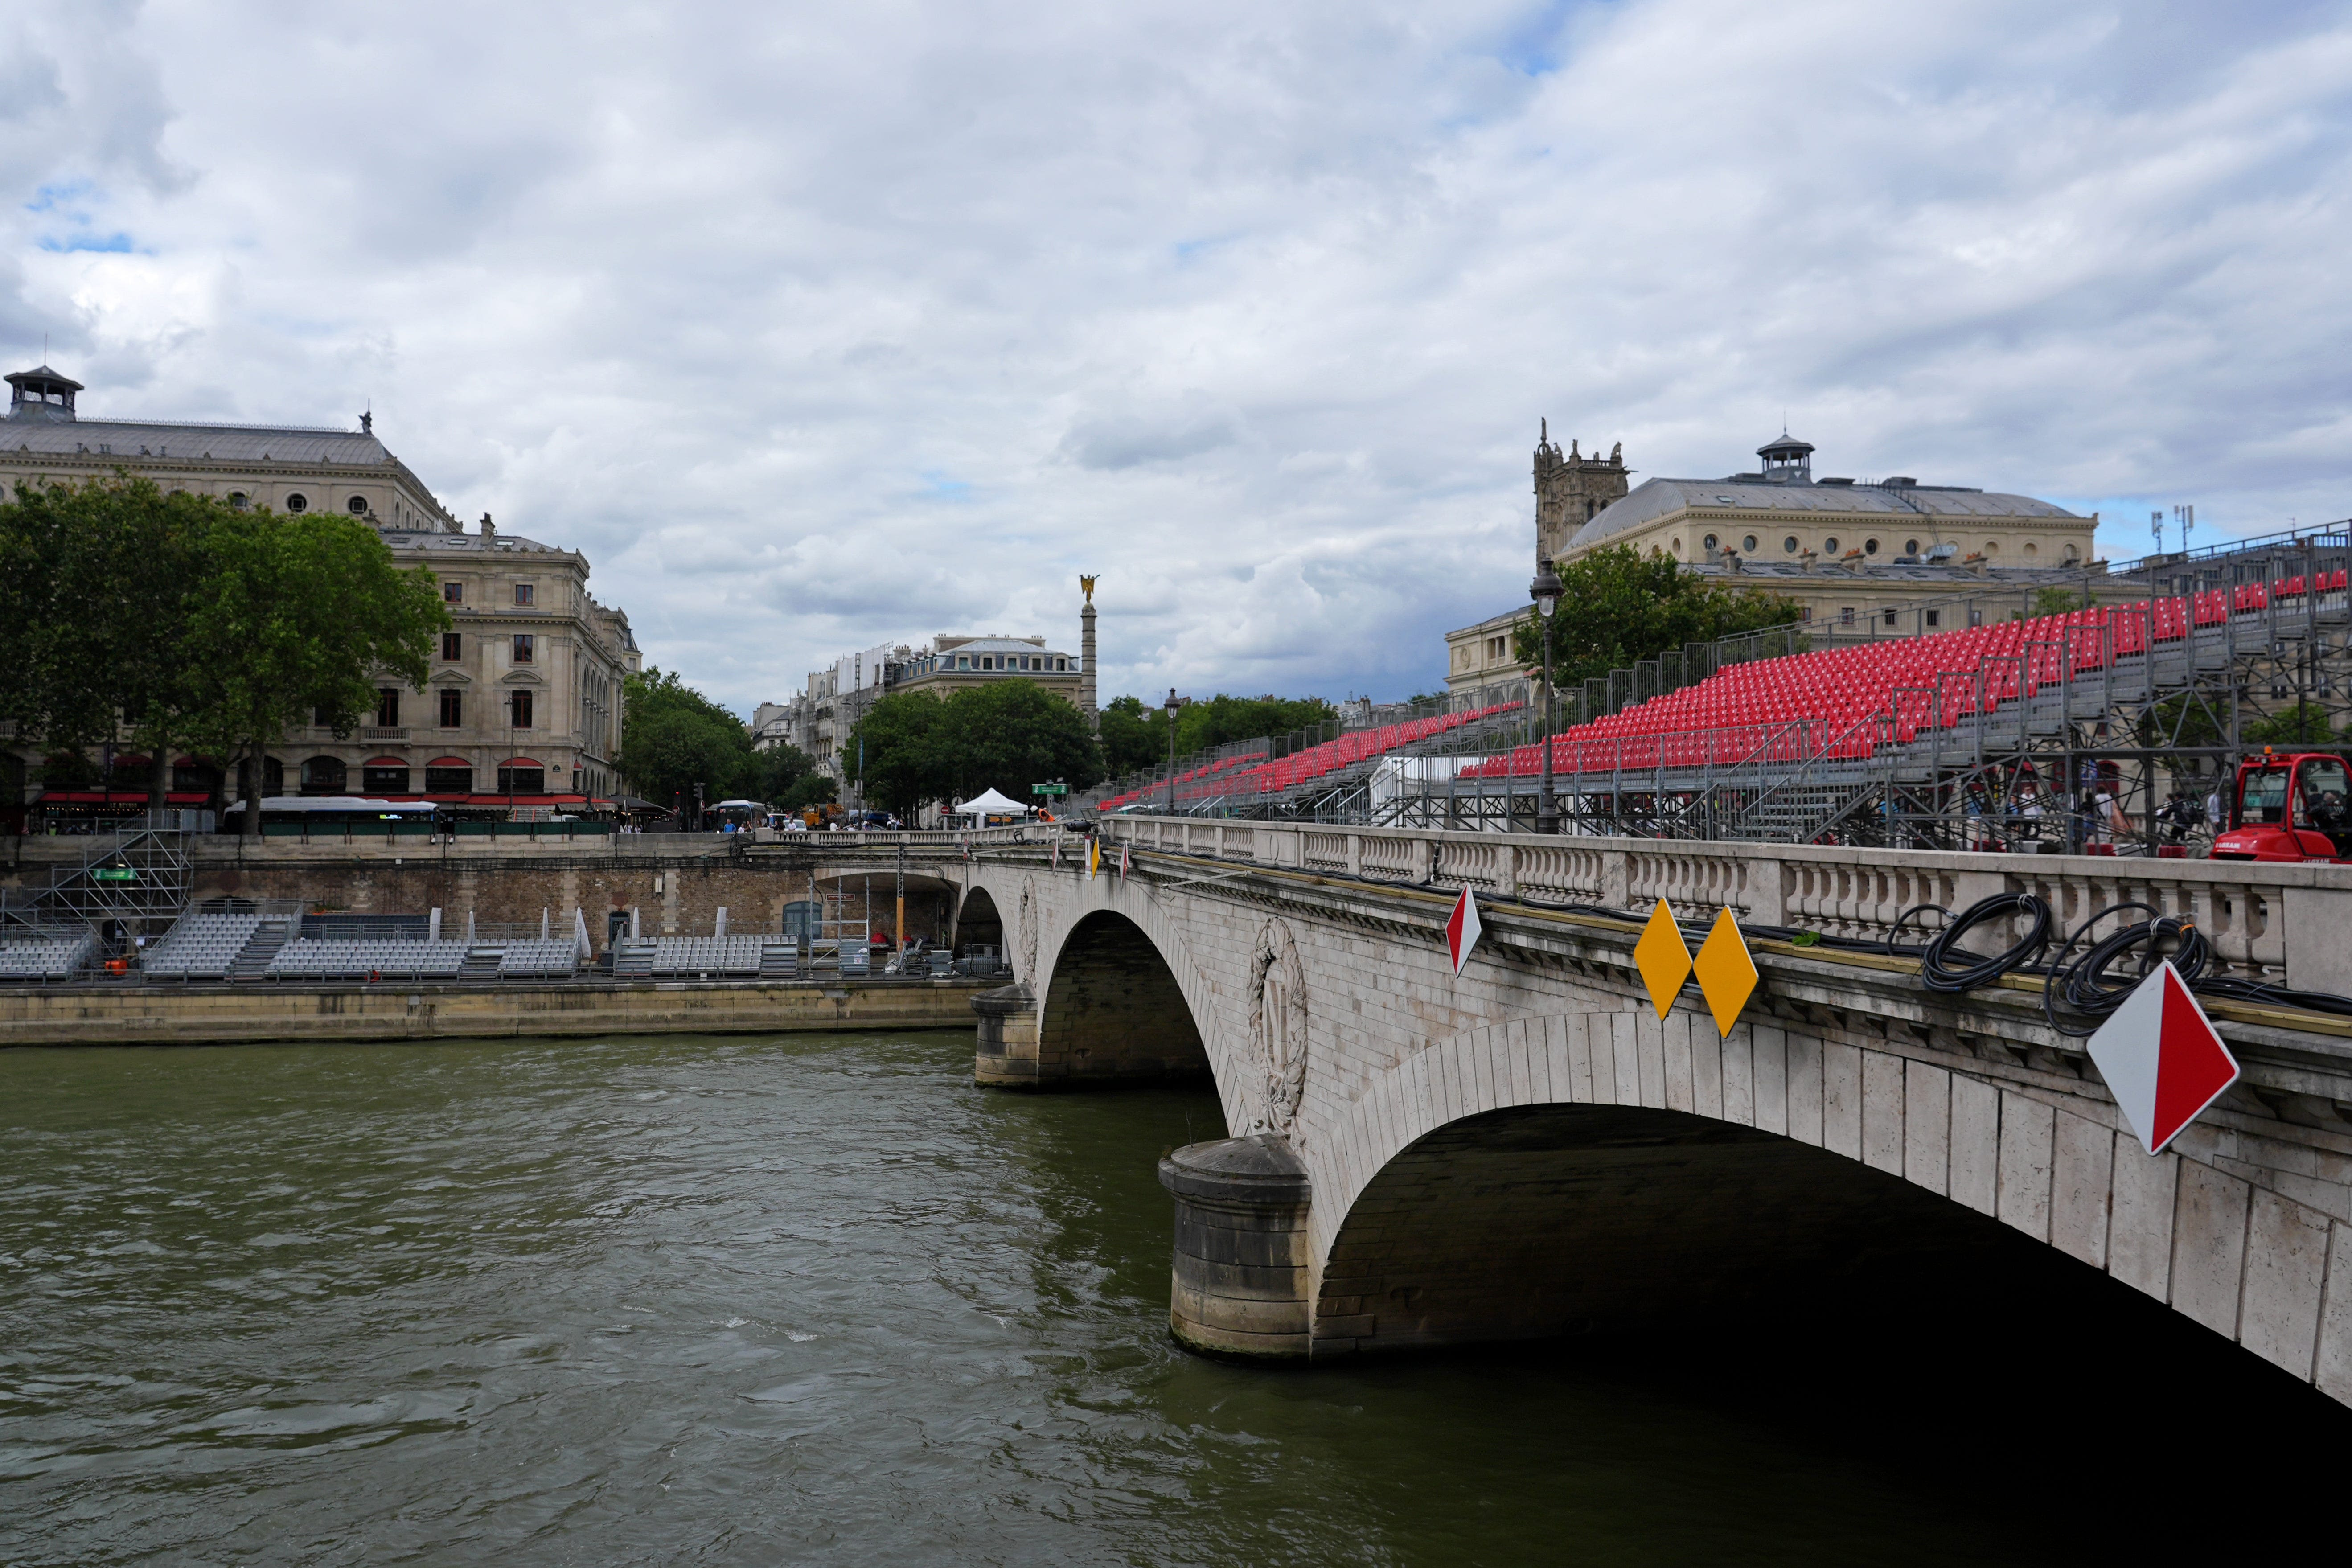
x=1545, y=592
x=1174, y=702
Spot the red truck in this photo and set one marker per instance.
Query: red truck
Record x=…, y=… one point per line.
x=2290, y=807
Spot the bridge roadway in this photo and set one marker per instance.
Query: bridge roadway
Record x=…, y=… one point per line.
x=1420, y=1161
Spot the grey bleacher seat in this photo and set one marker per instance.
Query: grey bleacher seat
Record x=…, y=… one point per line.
x=201, y=945
x=45, y=955
x=360, y=958
x=713, y=955
x=540, y=960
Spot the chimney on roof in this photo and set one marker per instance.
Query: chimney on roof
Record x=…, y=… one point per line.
x=489, y=529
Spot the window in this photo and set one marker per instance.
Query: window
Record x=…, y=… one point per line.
x=522, y=646
x=239, y=500
x=452, y=646
x=380, y=778
x=1829, y=545
x=1870, y=547
x=1935, y=617
x=453, y=593
x=297, y=502
x=522, y=593
x=1788, y=545
x=1061, y=664
x=1910, y=547
x=452, y=708
x=1749, y=544
x=387, y=708
x=322, y=719
x=1890, y=618
x=444, y=778
x=519, y=709
x=515, y=780
x=323, y=775
x=1710, y=543
x=358, y=505
x=1845, y=614
x=2073, y=555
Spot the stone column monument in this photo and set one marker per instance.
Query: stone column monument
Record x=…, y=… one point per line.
x=1086, y=655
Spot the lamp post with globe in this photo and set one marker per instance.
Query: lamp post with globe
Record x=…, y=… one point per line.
x=1545, y=590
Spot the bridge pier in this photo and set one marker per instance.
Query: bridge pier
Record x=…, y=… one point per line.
x=1241, y=1283
x=1006, y=1056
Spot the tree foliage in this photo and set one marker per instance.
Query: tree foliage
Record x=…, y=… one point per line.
x=674, y=738
x=1135, y=737
x=1618, y=607
x=1007, y=735
x=190, y=624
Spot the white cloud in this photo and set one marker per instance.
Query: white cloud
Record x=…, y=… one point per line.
x=816, y=327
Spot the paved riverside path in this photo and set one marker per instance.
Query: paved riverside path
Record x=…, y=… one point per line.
x=1528, y=1148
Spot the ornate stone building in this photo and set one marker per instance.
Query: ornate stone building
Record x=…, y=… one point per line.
x=523, y=707
x=1881, y=554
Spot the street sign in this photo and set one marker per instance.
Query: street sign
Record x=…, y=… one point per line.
x=1463, y=929
x=1663, y=959
x=1726, y=975
x=114, y=874
x=1049, y=789
x=2161, y=1059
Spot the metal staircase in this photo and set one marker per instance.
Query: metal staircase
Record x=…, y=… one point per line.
x=138, y=875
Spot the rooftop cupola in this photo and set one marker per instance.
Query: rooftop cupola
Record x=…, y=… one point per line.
x=41, y=394
x=1787, y=462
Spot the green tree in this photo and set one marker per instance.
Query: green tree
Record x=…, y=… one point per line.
x=293, y=618
x=775, y=772
x=1006, y=735
x=96, y=585
x=2056, y=602
x=814, y=789
x=674, y=738
x=2304, y=724
x=1618, y=607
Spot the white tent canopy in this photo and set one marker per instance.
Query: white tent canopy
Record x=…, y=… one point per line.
x=989, y=803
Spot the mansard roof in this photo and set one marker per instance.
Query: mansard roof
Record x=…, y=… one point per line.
x=1655, y=498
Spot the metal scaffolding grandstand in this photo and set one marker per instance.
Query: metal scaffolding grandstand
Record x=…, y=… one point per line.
x=137, y=874
x=2106, y=728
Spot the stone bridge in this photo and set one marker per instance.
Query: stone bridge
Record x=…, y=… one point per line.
x=1420, y=1159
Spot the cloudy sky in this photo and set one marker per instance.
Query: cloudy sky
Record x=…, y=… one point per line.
x=818, y=327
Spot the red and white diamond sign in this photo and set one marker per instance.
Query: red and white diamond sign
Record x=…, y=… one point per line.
x=2161, y=1059
x=1462, y=929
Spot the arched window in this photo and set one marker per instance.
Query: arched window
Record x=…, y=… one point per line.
x=239, y=500
x=1829, y=545
x=1788, y=545
x=358, y=505
x=1749, y=544
x=297, y=502
x=323, y=775
x=1870, y=547
x=1910, y=547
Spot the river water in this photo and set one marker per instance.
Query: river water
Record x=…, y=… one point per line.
x=814, y=1299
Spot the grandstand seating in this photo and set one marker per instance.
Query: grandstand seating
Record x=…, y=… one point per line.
x=46, y=954
x=1847, y=702
x=201, y=945
x=1225, y=779
x=387, y=958
x=538, y=959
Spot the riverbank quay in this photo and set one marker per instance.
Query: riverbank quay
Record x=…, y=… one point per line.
x=116, y=1013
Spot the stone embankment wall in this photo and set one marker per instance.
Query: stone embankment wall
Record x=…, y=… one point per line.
x=676, y=883
x=119, y=1015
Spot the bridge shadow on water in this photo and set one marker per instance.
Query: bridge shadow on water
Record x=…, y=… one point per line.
x=1809, y=1362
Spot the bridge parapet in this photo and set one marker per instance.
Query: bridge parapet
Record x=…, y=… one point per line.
x=2264, y=922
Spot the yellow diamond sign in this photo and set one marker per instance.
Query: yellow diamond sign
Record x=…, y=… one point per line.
x=1727, y=975
x=1663, y=959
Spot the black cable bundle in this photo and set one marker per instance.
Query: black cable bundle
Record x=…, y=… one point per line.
x=1937, y=968
x=2083, y=986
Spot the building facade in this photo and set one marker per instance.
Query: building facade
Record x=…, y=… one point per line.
x=1853, y=553
x=523, y=707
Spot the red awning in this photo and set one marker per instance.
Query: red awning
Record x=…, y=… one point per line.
x=526, y=800
x=518, y=762
x=448, y=763
x=385, y=763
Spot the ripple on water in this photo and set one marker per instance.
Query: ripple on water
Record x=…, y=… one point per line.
x=811, y=1299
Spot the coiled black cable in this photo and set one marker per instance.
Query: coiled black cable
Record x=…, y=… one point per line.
x=1939, y=968
x=2083, y=986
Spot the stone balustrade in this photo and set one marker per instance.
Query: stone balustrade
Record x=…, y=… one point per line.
x=2275, y=921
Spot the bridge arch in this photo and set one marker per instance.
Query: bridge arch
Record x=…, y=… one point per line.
x=1112, y=1007
x=1871, y=1138
x=978, y=922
